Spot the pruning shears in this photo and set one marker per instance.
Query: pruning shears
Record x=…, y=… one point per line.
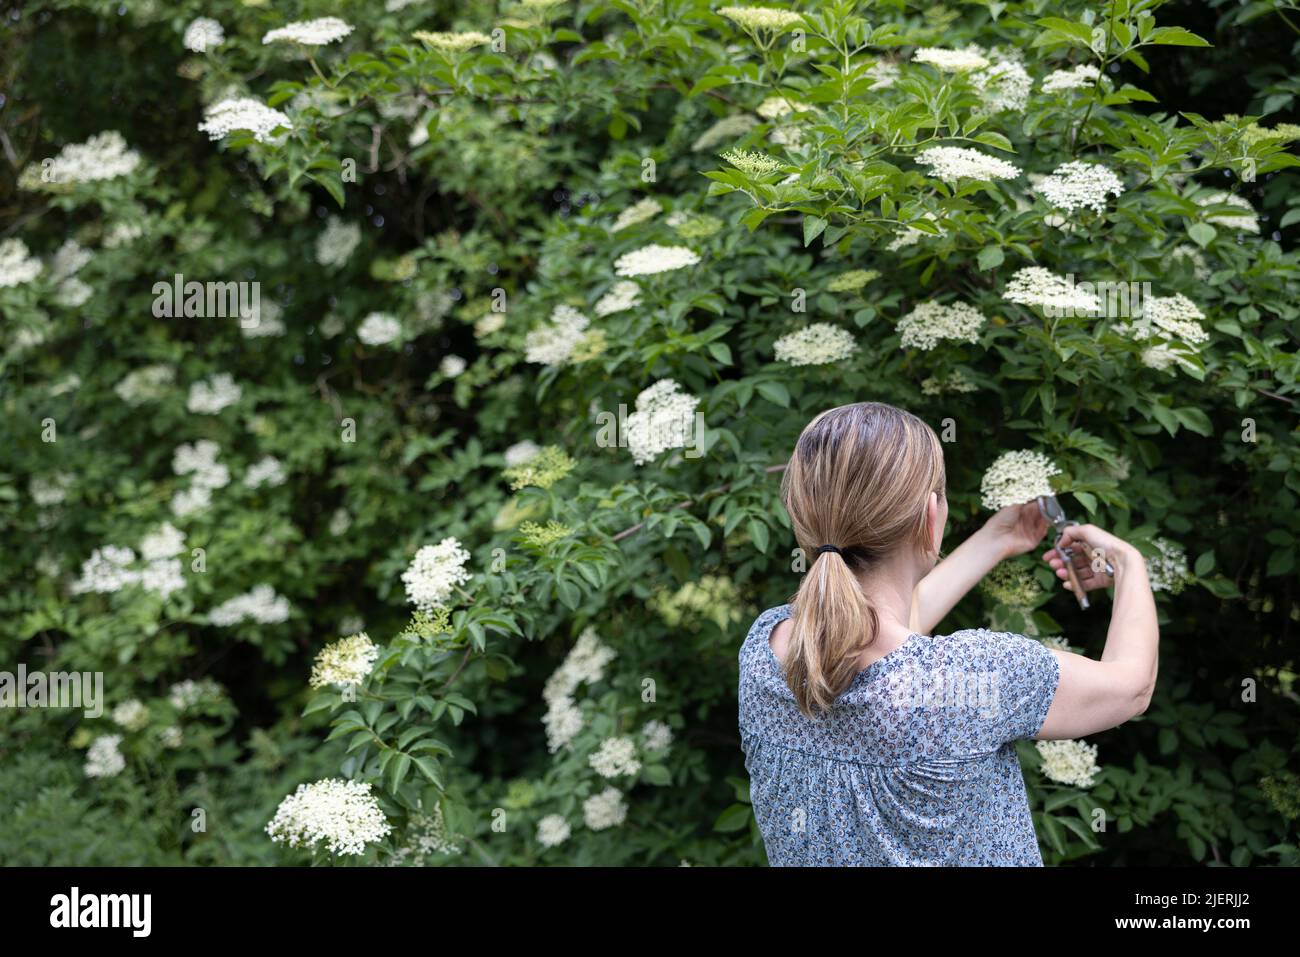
x=1055, y=515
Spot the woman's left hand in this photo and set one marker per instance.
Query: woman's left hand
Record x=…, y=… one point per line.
x=1017, y=528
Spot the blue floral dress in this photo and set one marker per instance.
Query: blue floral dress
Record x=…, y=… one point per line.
x=913, y=765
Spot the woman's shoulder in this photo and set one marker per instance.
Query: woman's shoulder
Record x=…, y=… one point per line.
x=760, y=632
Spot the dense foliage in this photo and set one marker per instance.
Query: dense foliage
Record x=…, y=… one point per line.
x=461, y=335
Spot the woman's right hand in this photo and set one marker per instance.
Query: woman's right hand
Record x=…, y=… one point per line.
x=1092, y=549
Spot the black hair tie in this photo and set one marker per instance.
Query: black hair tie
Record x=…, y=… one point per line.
x=830, y=548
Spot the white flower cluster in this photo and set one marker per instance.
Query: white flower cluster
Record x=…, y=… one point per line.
x=521, y=452
x=145, y=383
x=171, y=736
x=451, y=366
x=931, y=322
x=1200, y=268
x=1036, y=286
x=950, y=61
x=653, y=259
x=209, y=396
x=1079, y=78
x=553, y=342
x=166, y=541
x=189, y=693
x=203, y=34
x=1168, y=570
x=200, y=461
x=883, y=74
x=243, y=114
x=1248, y=223
x=52, y=491
x=260, y=604
x=266, y=471
x=426, y=835
x=615, y=757
x=17, y=264
x=434, y=573
x=1004, y=86
x=664, y=419
x=1069, y=762
x=1078, y=185
x=954, y=163
x=775, y=107
x=341, y=815
x=815, y=344
x=379, y=329
x=657, y=736
x=585, y=664
x=132, y=715
x=337, y=242
x=104, y=758
x=553, y=830
x=955, y=382
x=345, y=662
x=761, y=18
x=310, y=32
x=103, y=156
x=1177, y=316
x=1164, y=355
x=624, y=294
x=112, y=568
x=638, y=212
x=604, y=810
x=1015, y=478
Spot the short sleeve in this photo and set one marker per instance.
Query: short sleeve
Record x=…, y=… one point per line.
x=1026, y=675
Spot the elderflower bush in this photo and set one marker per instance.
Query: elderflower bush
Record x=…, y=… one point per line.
x=448, y=558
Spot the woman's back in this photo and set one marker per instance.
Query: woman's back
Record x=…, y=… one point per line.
x=913, y=765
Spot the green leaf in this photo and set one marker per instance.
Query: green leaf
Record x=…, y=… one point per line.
x=1202, y=234
x=990, y=257
x=1176, y=37
x=734, y=818
x=813, y=227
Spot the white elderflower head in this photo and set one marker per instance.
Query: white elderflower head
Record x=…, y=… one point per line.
x=1200, y=268
x=209, y=396
x=453, y=42
x=883, y=74
x=103, y=156
x=310, y=32
x=554, y=342
x=267, y=471
x=52, y=491
x=930, y=322
x=725, y=130
x=203, y=34
x=1004, y=86
x=615, y=757
x=1080, y=185
x=166, y=541
x=334, y=246
x=775, y=107
x=132, y=715
x=434, y=573
x=379, y=329
x=1164, y=355
x=954, y=163
x=260, y=604
x=624, y=294
x=585, y=663
x=553, y=830
x=1015, y=478
x=451, y=366
x=163, y=576
x=145, y=383
x=72, y=293
x=189, y=693
x=171, y=736
x=345, y=662
x=17, y=264
x=104, y=758
x=521, y=452
x=638, y=212
x=955, y=382
x=654, y=259
x=562, y=721
x=656, y=735
x=815, y=344
x=243, y=114
x=68, y=259
x=1176, y=316
x=1069, y=762
x=1036, y=286
x=1168, y=570
x=107, y=570
x=341, y=815
x=1248, y=223
x=1081, y=77
x=664, y=419
x=604, y=810
x=761, y=18
x=200, y=460
x=190, y=500
x=950, y=61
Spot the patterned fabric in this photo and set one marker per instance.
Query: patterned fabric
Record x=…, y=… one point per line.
x=913, y=765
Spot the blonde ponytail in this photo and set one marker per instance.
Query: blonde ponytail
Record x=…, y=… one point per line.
x=856, y=489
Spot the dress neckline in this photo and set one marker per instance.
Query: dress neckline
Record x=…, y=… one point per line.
x=776, y=662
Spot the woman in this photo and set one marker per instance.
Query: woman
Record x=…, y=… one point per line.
x=869, y=741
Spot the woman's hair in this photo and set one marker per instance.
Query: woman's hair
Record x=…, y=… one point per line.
x=860, y=479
